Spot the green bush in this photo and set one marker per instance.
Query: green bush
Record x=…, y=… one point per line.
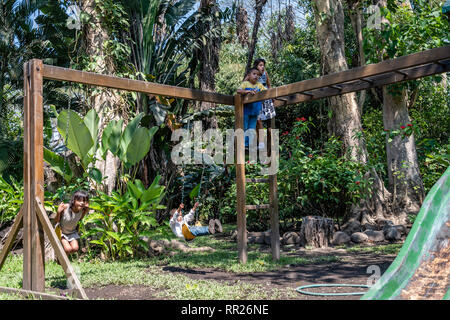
x=11, y=199
x=310, y=182
x=121, y=221
x=317, y=182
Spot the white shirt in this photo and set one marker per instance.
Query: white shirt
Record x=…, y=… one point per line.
x=176, y=225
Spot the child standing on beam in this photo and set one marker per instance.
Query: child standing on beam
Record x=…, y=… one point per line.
x=253, y=109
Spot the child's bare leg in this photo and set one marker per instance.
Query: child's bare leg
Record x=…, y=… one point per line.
x=259, y=126
x=70, y=247
x=74, y=245
x=66, y=245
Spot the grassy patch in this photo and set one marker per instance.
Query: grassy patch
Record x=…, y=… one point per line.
x=149, y=272
x=225, y=257
x=142, y=272
x=392, y=248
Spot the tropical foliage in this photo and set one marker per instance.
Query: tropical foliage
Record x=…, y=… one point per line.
x=158, y=41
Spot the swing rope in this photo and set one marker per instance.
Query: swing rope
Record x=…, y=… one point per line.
x=202, y=174
x=62, y=194
x=301, y=289
x=69, y=96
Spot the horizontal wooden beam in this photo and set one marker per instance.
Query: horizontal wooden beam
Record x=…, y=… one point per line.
x=257, y=206
x=364, y=72
x=95, y=79
x=376, y=81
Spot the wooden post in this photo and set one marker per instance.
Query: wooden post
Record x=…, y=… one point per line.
x=273, y=198
x=240, y=180
x=33, y=177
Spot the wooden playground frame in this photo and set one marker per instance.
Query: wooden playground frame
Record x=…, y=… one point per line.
x=33, y=217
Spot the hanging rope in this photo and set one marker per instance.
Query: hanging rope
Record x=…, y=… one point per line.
x=69, y=94
x=301, y=289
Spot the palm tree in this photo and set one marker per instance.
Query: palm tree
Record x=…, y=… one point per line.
x=17, y=44
x=164, y=36
x=28, y=29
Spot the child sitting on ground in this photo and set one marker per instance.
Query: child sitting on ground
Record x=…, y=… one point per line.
x=179, y=224
x=251, y=110
x=68, y=216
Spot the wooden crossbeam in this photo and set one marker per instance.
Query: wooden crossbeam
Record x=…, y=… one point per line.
x=379, y=80
x=95, y=79
x=387, y=66
x=59, y=250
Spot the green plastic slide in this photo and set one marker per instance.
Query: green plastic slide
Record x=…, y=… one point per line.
x=428, y=238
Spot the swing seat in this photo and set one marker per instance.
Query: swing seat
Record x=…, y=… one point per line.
x=58, y=231
x=187, y=233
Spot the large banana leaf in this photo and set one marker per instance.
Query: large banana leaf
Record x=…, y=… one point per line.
x=58, y=164
x=128, y=134
x=91, y=120
x=153, y=192
x=73, y=129
x=138, y=146
x=111, y=137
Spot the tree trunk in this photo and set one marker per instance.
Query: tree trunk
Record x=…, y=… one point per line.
x=316, y=231
x=346, y=118
x=209, y=57
x=252, y=47
x=403, y=168
x=345, y=122
x=107, y=103
x=356, y=19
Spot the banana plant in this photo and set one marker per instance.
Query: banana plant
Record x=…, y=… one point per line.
x=121, y=221
x=130, y=145
x=79, y=139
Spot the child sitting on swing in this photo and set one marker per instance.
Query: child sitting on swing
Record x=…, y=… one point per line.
x=179, y=224
x=68, y=216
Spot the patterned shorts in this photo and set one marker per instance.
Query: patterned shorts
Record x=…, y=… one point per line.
x=267, y=111
x=70, y=236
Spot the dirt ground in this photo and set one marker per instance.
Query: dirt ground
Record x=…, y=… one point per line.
x=351, y=269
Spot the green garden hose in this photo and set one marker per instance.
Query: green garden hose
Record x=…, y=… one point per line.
x=300, y=289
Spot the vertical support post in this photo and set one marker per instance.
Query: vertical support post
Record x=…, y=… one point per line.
x=273, y=198
x=240, y=180
x=33, y=177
